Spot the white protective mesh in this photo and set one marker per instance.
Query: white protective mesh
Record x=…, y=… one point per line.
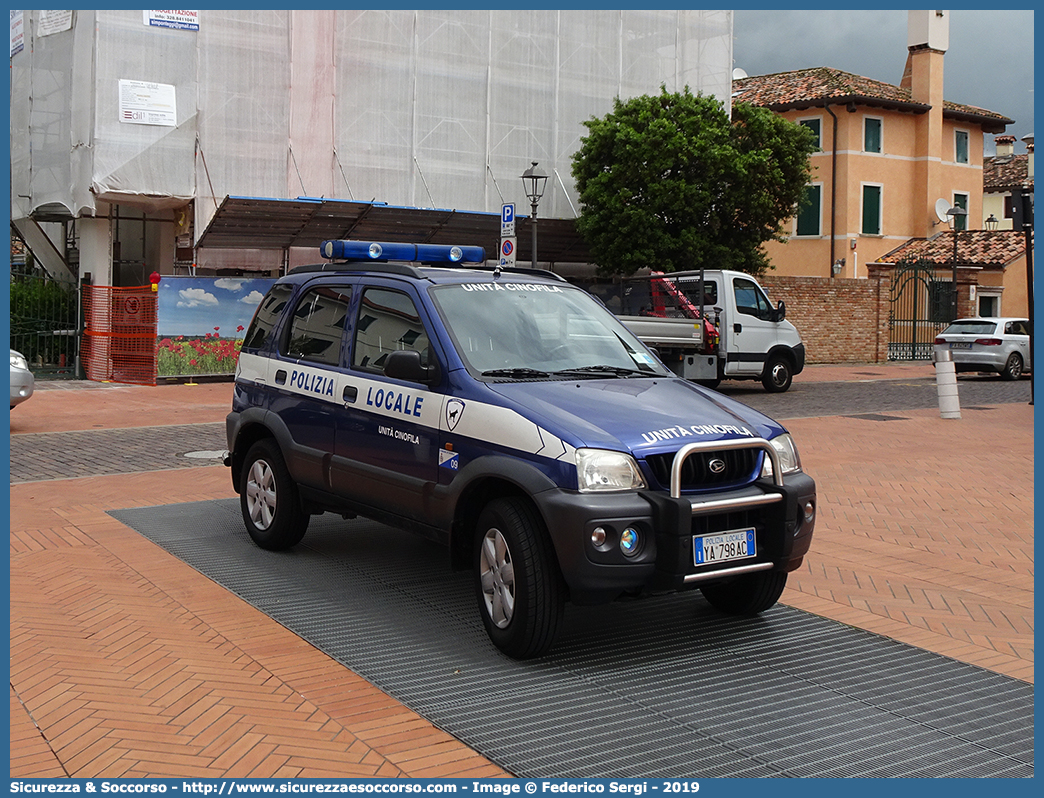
x=420, y=108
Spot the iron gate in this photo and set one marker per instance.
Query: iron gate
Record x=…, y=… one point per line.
x=920, y=305
x=45, y=321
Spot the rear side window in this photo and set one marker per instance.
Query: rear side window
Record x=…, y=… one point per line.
x=317, y=325
x=266, y=316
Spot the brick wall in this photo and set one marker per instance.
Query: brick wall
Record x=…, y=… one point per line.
x=840, y=320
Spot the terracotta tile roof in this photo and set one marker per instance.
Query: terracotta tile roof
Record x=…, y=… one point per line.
x=974, y=248
x=806, y=88
x=1005, y=172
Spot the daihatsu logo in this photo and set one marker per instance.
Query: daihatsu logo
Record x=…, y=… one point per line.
x=716, y=466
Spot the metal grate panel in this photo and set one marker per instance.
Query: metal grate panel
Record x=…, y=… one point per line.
x=662, y=687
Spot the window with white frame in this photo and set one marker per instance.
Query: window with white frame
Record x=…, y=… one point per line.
x=872, y=210
x=872, y=134
x=960, y=146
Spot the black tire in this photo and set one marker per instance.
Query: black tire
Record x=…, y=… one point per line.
x=1013, y=367
x=712, y=384
x=268, y=499
x=778, y=374
x=748, y=594
x=521, y=594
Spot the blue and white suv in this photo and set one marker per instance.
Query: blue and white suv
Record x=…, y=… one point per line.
x=512, y=417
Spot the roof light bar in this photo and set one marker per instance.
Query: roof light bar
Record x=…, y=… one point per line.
x=424, y=253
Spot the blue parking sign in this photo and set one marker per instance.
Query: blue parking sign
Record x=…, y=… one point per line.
x=507, y=220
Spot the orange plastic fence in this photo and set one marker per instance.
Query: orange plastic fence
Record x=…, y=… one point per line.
x=119, y=338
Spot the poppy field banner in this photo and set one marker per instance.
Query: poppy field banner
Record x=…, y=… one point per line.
x=201, y=322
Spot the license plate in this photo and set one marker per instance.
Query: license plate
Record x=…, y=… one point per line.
x=956, y=345
x=735, y=545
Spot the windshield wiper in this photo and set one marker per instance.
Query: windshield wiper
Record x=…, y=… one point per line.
x=518, y=373
x=596, y=371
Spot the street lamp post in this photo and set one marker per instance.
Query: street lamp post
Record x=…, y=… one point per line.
x=534, y=180
x=955, y=213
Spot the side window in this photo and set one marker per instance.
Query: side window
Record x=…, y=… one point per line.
x=266, y=316
x=317, y=325
x=388, y=321
x=750, y=300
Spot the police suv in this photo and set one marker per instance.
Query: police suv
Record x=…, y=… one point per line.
x=510, y=416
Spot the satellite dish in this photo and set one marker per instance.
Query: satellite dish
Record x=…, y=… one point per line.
x=941, y=208
x=738, y=74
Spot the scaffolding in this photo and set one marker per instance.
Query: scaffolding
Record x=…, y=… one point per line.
x=423, y=108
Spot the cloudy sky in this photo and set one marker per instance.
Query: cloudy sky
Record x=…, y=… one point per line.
x=989, y=63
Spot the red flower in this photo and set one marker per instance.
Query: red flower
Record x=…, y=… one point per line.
x=239, y=328
x=216, y=329
x=193, y=362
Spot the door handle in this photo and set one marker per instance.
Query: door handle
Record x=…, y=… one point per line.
x=350, y=394
x=281, y=377
x=737, y=328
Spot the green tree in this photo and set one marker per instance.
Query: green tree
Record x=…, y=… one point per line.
x=669, y=182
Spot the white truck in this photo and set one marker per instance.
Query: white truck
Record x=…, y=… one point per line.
x=707, y=326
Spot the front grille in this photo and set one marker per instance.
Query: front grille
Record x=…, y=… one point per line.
x=697, y=473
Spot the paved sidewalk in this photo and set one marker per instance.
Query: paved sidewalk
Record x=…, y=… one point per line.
x=125, y=661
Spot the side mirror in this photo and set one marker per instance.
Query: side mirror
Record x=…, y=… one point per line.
x=781, y=311
x=405, y=364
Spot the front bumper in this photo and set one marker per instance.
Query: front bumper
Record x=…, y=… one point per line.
x=666, y=525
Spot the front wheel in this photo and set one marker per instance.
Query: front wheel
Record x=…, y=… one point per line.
x=520, y=590
x=1013, y=367
x=748, y=594
x=777, y=375
x=268, y=499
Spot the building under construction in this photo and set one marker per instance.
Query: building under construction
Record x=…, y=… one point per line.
x=232, y=142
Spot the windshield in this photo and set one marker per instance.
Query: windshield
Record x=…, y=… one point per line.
x=539, y=330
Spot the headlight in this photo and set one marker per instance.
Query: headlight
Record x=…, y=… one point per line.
x=787, y=452
x=18, y=361
x=601, y=470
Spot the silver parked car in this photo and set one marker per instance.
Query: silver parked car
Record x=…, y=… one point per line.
x=998, y=345
x=22, y=381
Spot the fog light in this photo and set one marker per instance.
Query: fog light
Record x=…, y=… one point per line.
x=810, y=510
x=630, y=542
x=598, y=536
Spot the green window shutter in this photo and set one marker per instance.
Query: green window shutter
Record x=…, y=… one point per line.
x=872, y=210
x=872, y=135
x=961, y=201
x=808, y=216
x=961, y=146
x=815, y=127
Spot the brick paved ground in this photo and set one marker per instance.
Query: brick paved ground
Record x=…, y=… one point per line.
x=125, y=661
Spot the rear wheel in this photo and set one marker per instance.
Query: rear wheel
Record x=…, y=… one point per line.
x=1013, y=367
x=269, y=500
x=748, y=594
x=520, y=590
x=777, y=375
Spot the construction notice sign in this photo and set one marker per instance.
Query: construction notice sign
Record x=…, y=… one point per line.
x=144, y=103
